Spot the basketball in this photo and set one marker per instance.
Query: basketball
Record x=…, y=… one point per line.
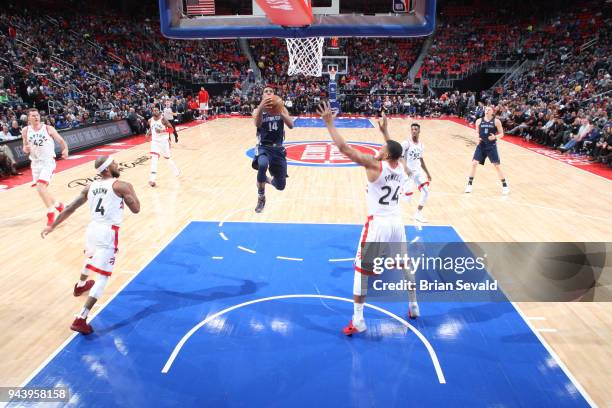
x=275, y=105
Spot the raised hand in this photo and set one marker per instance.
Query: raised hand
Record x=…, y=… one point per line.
x=324, y=110
x=382, y=122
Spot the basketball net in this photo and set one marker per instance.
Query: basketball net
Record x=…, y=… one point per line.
x=305, y=56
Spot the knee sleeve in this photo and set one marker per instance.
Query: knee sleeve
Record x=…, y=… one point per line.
x=424, y=195
x=98, y=288
x=263, y=163
x=360, y=284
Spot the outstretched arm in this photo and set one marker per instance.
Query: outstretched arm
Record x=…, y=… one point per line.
x=71, y=208
x=382, y=126
x=365, y=160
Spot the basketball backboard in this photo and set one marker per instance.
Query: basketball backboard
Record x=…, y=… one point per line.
x=202, y=19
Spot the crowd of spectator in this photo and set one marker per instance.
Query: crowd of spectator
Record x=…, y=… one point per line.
x=81, y=70
x=70, y=80
x=563, y=100
x=78, y=71
x=377, y=70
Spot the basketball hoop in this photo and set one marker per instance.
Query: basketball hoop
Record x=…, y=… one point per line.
x=305, y=56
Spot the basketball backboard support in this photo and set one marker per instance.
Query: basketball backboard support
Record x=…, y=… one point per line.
x=335, y=18
x=339, y=62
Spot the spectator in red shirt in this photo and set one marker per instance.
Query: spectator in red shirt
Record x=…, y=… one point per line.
x=193, y=106
x=203, y=99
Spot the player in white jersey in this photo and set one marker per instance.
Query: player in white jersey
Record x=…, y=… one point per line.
x=413, y=158
x=384, y=226
x=39, y=142
x=106, y=198
x=160, y=144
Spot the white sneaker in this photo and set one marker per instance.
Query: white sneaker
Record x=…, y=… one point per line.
x=413, y=310
x=419, y=217
x=505, y=190
x=468, y=188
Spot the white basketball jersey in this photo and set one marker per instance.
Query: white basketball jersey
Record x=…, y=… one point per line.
x=158, y=130
x=42, y=146
x=383, y=194
x=105, y=207
x=413, y=153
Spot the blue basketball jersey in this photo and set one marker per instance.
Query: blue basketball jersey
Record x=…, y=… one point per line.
x=487, y=129
x=272, y=129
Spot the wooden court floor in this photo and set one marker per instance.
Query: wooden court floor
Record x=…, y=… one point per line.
x=549, y=201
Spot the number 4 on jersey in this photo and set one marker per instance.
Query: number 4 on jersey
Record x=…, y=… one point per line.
x=99, y=207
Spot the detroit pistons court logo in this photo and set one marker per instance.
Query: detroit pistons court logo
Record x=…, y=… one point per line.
x=322, y=153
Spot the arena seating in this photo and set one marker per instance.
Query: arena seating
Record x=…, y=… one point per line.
x=82, y=70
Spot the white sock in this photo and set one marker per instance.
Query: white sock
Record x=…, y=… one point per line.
x=81, y=283
x=84, y=312
x=412, y=298
x=411, y=277
x=357, y=311
x=50, y=210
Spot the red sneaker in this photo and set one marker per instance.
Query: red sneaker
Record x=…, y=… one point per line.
x=79, y=291
x=60, y=207
x=353, y=329
x=80, y=325
x=50, y=218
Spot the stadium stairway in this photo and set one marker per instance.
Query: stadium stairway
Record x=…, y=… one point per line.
x=419, y=61
x=246, y=50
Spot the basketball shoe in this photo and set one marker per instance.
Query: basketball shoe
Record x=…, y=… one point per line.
x=261, y=203
x=80, y=325
x=413, y=310
x=353, y=328
x=418, y=216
